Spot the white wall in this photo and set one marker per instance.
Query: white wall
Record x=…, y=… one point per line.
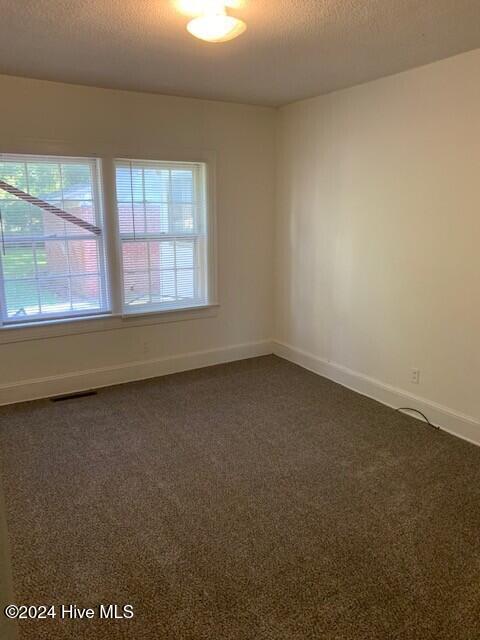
x=377, y=263
x=378, y=237
x=243, y=139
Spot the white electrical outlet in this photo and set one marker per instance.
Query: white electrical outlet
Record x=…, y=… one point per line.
x=415, y=379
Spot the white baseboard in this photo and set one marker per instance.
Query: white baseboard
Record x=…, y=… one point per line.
x=456, y=423
x=129, y=372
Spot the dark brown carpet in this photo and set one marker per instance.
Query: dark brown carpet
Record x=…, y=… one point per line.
x=250, y=501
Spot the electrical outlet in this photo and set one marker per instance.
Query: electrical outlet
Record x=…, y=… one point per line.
x=415, y=378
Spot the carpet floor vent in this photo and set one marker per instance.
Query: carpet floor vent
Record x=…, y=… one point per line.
x=73, y=396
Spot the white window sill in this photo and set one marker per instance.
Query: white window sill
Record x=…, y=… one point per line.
x=99, y=323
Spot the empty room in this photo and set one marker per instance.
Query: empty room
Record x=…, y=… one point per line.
x=239, y=320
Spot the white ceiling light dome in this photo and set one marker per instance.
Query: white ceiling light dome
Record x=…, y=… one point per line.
x=215, y=25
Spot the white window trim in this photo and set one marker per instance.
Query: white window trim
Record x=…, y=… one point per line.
x=107, y=153
x=97, y=324
x=105, y=309
x=204, y=169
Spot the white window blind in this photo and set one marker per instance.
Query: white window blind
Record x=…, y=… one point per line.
x=164, y=234
x=52, y=262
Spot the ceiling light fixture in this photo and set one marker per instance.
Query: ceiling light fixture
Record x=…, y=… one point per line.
x=214, y=24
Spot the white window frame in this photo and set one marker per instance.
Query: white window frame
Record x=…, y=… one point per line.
x=121, y=237
x=106, y=154
x=42, y=317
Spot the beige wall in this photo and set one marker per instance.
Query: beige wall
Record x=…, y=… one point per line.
x=242, y=137
x=378, y=235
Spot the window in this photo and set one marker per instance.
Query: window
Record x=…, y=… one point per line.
x=52, y=262
x=163, y=232
x=55, y=261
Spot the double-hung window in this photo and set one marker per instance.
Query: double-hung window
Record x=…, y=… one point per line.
x=163, y=232
x=54, y=261
x=52, y=257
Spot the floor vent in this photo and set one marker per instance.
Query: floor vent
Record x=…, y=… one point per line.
x=73, y=396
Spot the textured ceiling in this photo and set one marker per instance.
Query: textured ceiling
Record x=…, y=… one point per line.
x=293, y=48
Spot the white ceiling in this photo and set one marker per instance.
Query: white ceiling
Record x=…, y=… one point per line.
x=292, y=49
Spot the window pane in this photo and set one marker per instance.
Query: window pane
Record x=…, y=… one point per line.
x=18, y=261
x=22, y=299
x=182, y=186
x=185, y=287
x=182, y=218
x=86, y=292
x=162, y=255
x=185, y=254
x=15, y=173
x=137, y=290
x=83, y=256
x=77, y=182
x=55, y=295
x=132, y=218
x=53, y=258
x=135, y=256
x=20, y=218
x=157, y=185
x=53, y=263
x=167, y=284
x=43, y=179
x=157, y=217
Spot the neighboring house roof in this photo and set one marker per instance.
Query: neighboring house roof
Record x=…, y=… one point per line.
x=82, y=191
